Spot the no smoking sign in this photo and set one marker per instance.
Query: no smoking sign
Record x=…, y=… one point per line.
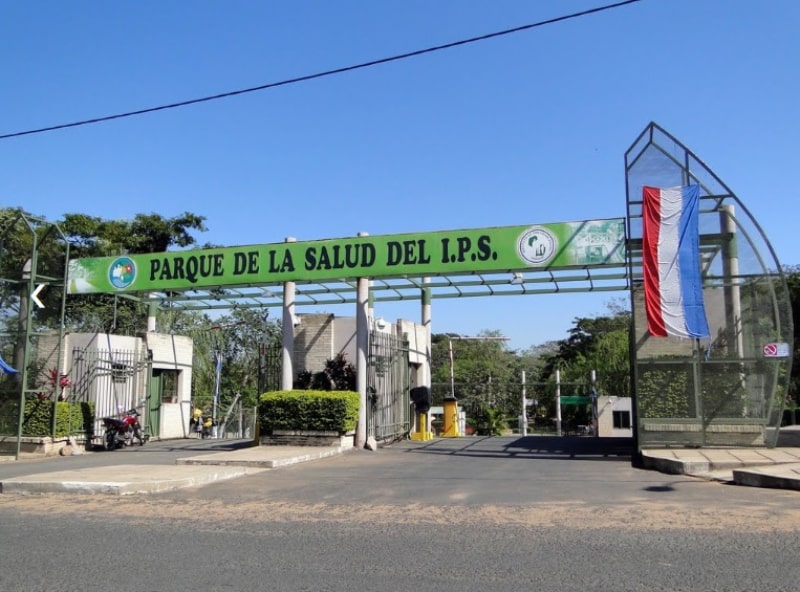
x=776, y=350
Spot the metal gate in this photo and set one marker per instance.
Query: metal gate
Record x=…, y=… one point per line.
x=387, y=387
x=115, y=380
x=270, y=367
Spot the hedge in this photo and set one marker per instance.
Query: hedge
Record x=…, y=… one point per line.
x=71, y=418
x=325, y=411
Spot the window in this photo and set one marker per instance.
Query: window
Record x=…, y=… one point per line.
x=119, y=372
x=168, y=384
x=622, y=420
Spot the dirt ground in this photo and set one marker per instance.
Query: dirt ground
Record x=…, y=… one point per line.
x=633, y=514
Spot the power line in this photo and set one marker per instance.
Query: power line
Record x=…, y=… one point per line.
x=324, y=74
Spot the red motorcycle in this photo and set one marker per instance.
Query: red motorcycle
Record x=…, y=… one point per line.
x=124, y=430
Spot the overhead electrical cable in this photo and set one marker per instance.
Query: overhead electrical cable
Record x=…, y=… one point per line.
x=324, y=74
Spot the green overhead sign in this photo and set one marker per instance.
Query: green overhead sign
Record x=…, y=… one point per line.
x=575, y=400
x=486, y=250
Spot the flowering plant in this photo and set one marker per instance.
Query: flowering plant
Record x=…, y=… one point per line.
x=56, y=379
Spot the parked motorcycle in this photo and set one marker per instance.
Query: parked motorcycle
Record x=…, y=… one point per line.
x=124, y=430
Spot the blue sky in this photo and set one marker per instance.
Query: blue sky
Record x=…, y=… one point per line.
x=523, y=129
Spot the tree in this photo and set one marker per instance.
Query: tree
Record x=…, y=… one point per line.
x=95, y=237
x=594, y=342
x=483, y=371
x=87, y=236
x=18, y=232
x=599, y=344
x=243, y=340
x=144, y=233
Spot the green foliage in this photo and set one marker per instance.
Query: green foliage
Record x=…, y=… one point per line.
x=338, y=375
x=249, y=342
x=482, y=368
x=591, y=341
x=792, y=275
x=87, y=236
x=330, y=411
x=9, y=414
x=664, y=391
x=71, y=418
x=145, y=233
x=95, y=237
x=609, y=357
x=490, y=421
x=19, y=231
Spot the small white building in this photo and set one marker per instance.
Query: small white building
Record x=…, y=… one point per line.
x=151, y=373
x=614, y=417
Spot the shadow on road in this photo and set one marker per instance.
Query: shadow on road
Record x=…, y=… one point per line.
x=184, y=444
x=528, y=447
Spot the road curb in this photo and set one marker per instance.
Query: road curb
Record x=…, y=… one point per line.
x=145, y=479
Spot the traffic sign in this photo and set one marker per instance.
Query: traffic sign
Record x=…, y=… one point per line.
x=776, y=350
x=35, y=295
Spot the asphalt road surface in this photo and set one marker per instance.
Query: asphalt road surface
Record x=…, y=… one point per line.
x=499, y=514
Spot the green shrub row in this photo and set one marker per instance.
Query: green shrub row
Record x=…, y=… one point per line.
x=329, y=411
x=71, y=418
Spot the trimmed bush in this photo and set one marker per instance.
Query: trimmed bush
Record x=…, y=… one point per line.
x=71, y=418
x=319, y=411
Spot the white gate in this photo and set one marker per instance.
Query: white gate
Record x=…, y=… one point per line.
x=114, y=380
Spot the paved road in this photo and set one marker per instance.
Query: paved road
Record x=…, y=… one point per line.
x=446, y=515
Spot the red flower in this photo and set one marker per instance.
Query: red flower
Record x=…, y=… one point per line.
x=62, y=381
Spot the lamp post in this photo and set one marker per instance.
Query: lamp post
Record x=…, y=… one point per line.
x=215, y=403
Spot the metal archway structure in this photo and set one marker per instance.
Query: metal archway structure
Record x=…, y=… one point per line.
x=728, y=389
x=35, y=353
x=742, y=282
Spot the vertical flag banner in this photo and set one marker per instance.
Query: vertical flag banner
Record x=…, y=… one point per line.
x=673, y=287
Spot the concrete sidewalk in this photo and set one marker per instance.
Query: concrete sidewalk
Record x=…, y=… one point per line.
x=756, y=467
x=125, y=479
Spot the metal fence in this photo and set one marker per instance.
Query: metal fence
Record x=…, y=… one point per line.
x=728, y=388
x=115, y=380
x=388, y=385
x=237, y=421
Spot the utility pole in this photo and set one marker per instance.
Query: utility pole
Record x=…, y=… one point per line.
x=215, y=404
x=524, y=418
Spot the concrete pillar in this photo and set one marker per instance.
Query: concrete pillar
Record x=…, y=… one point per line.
x=730, y=267
x=290, y=322
x=426, y=322
x=152, y=307
x=362, y=345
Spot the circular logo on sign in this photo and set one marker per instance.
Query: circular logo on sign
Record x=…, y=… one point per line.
x=122, y=272
x=537, y=245
x=771, y=350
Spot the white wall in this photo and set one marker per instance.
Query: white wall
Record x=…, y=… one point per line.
x=174, y=352
x=175, y=419
x=170, y=352
x=320, y=337
x=605, y=416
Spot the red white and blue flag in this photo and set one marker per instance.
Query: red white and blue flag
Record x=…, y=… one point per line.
x=673, y=286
